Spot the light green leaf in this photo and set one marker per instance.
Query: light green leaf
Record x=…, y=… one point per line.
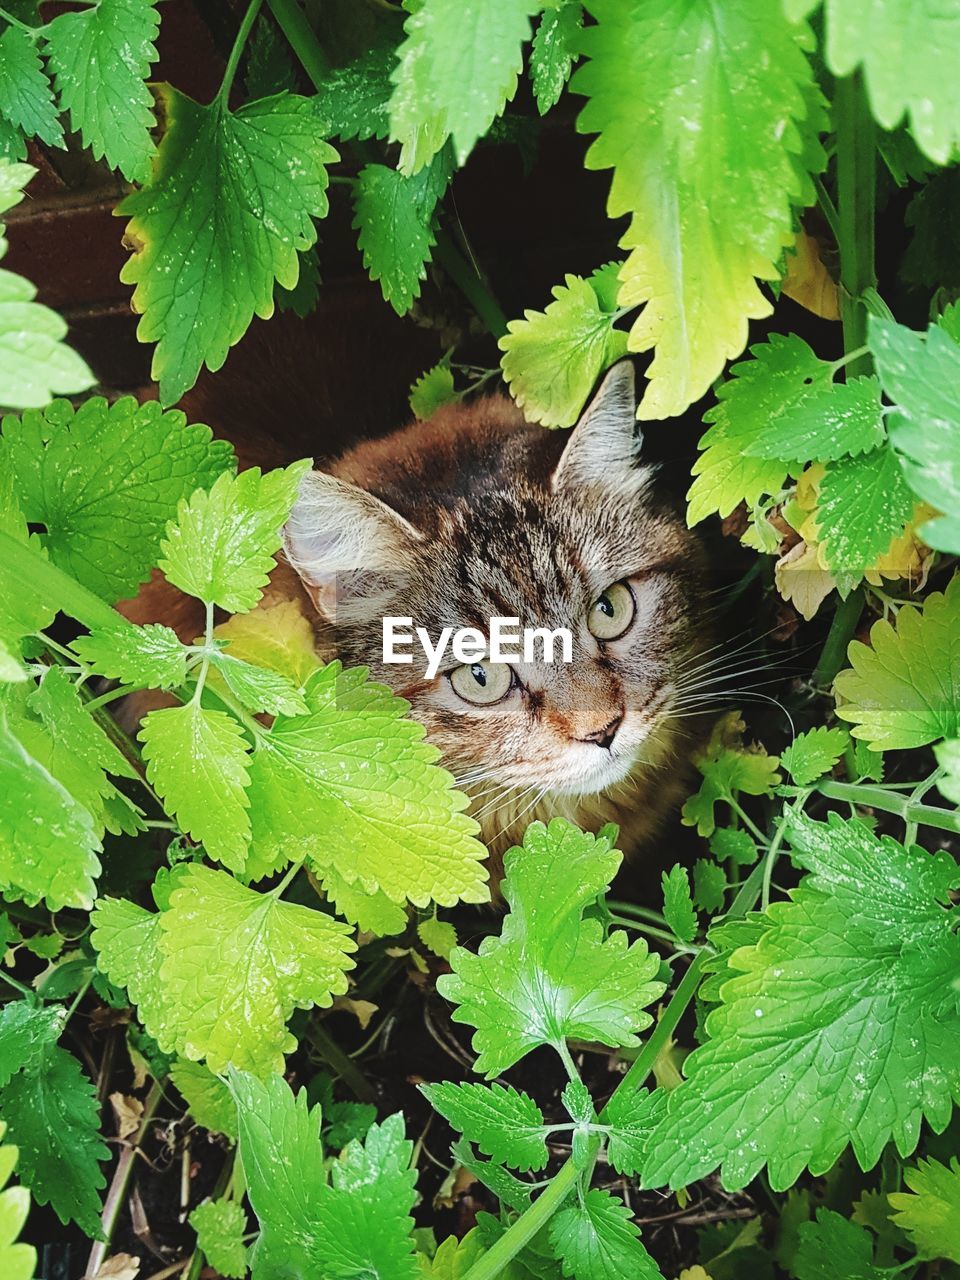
x=104, y=481
x=734, y=843
x=231, y=202
x=197, y=761
x=812, y=754
x=17, y=1261
x=596, y=1240
x=503, y=1123
x=354, y=786
x=395, y=219
x=100, y=58
x=432, y=390
x=931, y=1215
x=127, y=940
x=677, y=904
x=948, y=758
x=276, y=636
x=831, y=1247
x=457, y=70
x=550, y=975
x=26, y=100
x=223, y=543
x=709, y=885
x=551, y=56
x=907, y=49
x=864, y=503
x=220, y=1226
x=151, y=656
x=631, y=1117
x=353, y=99
x=728, y=768
x=370, y=912
x=52, y=1115
x=903, y=690
x=210, y=1102
x=438, y=936
x=709, y=184
x=836, y=1025
x=237, y=963
x=259, y=688
x=552, y=358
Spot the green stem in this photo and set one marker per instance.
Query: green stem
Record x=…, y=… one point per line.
x=903, y=807
x=827, y=207
x=632, y=909
x=344, y=1067
x=253, y=8
x=292, y=21
x=22, y=26
x=842, y=629
x=18, y=986
x=468, y=281
x=521, y=1232
x=856, y=191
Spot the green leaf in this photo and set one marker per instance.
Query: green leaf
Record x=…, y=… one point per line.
x=709, y=185
x=931, y=1215
x=734, y=843
x=597, y=1240
x=127, y=940
x=709, y=885
x=237, y=963
x=438, y=936
x=258, y=688
x=346, y=1121
x=551, y=975
x=17, y=1261
x=52, y=1115
x=458, y=67
x=864, y=504
x=104, y=481
x=27, y=1030
x=48, y=841
x=210, y=1101
x=920, y=373
x=903, y=690
x=224, y=541
x=812, y=754
x=553, y=358
x=728, y=768
x=509, y=1189
x=151, y=655
x=395, y=219
x=220, y=1226
x=503, y=1123
x=432, y=390
x=631, y=1117
x=275, y=636
x=197, y=761
x=551, y=56
x=948, y=758
x=26, y=100
x=831, y=1247
x=354, y=787
x=100, y=58
x=230, y=203
x=677, y=904
x=907, y=49
x=836, y=1025
x=353, y=99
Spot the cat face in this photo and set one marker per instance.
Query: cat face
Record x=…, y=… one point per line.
x=482, y=515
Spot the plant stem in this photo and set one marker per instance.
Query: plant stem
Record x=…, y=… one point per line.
x=903, y=807
x=834, y=654
x=253, y=8
x=521, y=1232
x=827, y=207
x=18, y=986
x=856, y=191
x=292, y=21
x=345, y=1067
x=468, y=281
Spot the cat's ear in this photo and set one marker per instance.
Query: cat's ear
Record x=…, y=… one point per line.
x=603, y=447
x=348, y=547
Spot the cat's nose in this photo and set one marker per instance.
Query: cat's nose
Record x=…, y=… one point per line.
x=604, y=737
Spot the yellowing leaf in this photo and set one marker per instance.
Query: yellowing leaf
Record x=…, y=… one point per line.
x=807, y=280
x=276, y=636
x=728, y=767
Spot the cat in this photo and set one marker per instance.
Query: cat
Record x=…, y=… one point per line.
x=477, y=513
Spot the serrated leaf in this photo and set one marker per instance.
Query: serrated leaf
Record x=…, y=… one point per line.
x=677, y=903
x=220, y=1226
x=551, y=56
x=223, y=542
x=230, y=203
x=100, y=58
x=17, y=1261
x=728, y=768
x=438, y=936
x=906, y=49
x=354, y=786
x=344, y=1122
x=276, y=636
x=843, y=1004
x=631, y=1117
x=353, y=99
x=863, y=505
x=394, y=215
x=736, y=844
x=832, y=1246
x=26, y=100
x=509, y=1189
x=553, y=358
x=48, y=841
x=52, y=1115
x=258, y=688
x=597, y=1240
x=127, y=940
x=813, y=753
x=27, y=1030
x=903, y=690
x=432, y=390
x=931, y=1215
x=104, y=481
x=504, y=1124
x=208, y=1098
x=709, y=885
x=458, y=67
x=150, y=656
x=236, y=965
x=550, y=975
x=680, y=146
x=198, y=763
x=370, y=912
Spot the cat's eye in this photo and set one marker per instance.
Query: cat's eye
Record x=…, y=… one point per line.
x=482, y=682
x=612, y=612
